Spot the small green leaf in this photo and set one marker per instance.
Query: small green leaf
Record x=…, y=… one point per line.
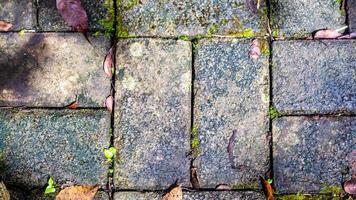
x=270, y=181
x=108, y=154
x=50, y=190
x=111, y=171
x=112, y=150
x=50, y=182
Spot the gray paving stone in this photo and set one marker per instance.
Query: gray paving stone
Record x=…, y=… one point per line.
x=20, y=13
x=50, y=20
x=152, y=116
x=320, y=77
x=218, y=195
x=66, y=145
x=174, y=18
x=351, y=11
x=52, y=69
x=299, y=18
x=231, y=94
x=312, y=152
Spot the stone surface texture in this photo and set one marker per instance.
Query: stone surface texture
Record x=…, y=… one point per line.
x=312, y=152
x=320, y=77
x=299, y=18
x=175, y=18
x=49, y=18
x=231, y=94
x=66, y=145
x=218, y=195
x=52, y=70
x=351, y=11
x=20, y=13
x=152, y=116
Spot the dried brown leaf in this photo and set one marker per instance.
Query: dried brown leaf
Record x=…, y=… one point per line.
x=78, y=193
x=175, y=194
x=348, y=36
x=109, y=103
x=108, y=63
x=267, y=188
x=326, y=34
x=194, y=178
x=5, y=26
x=73, y=14
x=230, y=148
x=255, y=51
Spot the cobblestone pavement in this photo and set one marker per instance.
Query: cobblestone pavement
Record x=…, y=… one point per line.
x=188, y=95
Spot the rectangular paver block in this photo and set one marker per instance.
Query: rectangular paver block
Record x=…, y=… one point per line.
x=314, y=76
x=310, y=153
x=52, y=69
x=299, y=18
x=218, y=195
x=175, y=18
x=66, y=145
x=20, y=13
x=49, y=18
x=231, y=94
x=152, y=114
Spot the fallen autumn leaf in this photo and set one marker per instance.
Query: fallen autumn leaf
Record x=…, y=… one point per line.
x=5, y=26
x=350, y=186
x=108, y=63
x=73, y=14
x=109, y=103
x=73, y=105
x=174, y=194
x=255, y=51
x=78, y=193
x=267, y=188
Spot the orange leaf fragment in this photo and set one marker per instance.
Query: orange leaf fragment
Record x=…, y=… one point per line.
x=267, y=188
x=86, y=192
x=176, y=193
x=5, y=26
x=109, y=103
x=108, y=63
x=73, y=105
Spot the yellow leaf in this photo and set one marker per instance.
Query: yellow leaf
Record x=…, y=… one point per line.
x=175, y=194
x=86, y=192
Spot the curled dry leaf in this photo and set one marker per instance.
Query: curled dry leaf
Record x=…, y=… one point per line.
x=255, y=51
x=5, y=26
x=326, y=34
x=176, y=193
x=73, y=105
x=350, y=186
x=78, y=193
x=348, y=36
x=267, y=188
x=194, y=178
x=109, y=103
x=222, y=187
x=230, y=148
x=108, y=63
x=73, y=14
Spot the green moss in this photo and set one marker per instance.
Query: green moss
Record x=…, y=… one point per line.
x=195, y=141
x=264, y=46
x=213, y=29
x=273, y=113
x=332, y=189
x=291, y=197
x=263, y=24
x=225, y=21
x=129, y=4
x=184, y=38
x=244, y=33
x=108, y=22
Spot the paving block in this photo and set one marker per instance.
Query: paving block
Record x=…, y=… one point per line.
x=310, y=153
x=231, y=94
x=176, y=18
x=312, y=77
x=152, y=114
x=52, y=70
x=49, y=18
x=67, y=145
x=299, y=18
x=213, y=195
x=20, y=13
x=351, y=11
